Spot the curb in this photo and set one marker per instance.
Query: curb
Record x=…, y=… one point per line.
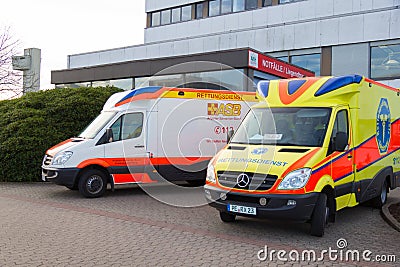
x=388, y=217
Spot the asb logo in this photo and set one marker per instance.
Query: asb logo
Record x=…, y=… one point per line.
x=259, y=151
x=253, y=59
x=383, y=126
x=224, y=109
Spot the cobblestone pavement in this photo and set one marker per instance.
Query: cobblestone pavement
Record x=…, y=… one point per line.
x=43, y=224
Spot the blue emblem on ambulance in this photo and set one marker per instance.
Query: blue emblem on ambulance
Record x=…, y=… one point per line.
x=259, y=151
x=383, y=124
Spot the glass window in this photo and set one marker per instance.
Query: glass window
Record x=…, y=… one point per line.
x=341, y=126
x=186, y=13
x=116, y=129
x=311, y=62
x=293, y=127
x=288, y=1
x=226, y=6
x=251, y=4
x=125, y=84
x=176, y=14
x=199, y=10
x=267, y=2
x=97, y=124
x=385, y=61
x=224, y=79
x=238, y=5
x=155, y=18
x=214, y=8
x=127, y=126
x=284, y=58
x=100, y=83
x=132, y=125
x=166, y=17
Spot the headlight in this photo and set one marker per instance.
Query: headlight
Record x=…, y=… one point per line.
x=210, y=174
x=295, y=179
x=61, y=158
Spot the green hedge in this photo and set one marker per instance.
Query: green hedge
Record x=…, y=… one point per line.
x=33, y=123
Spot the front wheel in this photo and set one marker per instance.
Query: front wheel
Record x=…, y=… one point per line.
x=381, y=199
x=93, y=183
x=320, y=216
x=227, y=217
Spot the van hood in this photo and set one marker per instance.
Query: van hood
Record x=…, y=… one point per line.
x=265, y=159
x=64, y=145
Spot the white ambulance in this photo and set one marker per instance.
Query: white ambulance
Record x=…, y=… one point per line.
x=147, y=135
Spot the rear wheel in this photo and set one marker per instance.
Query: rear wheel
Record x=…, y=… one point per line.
x=320, y=216
x=93, y=183
x=381, y=199
x=227, y=217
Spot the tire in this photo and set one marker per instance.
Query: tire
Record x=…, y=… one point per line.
x=381, y=199
x=227, y=217
x=73, y=188
x=93, y=183
x=320, y=216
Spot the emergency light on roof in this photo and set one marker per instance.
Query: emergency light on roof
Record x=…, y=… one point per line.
x=262, y=88
x=337, y=82
x=330, y=85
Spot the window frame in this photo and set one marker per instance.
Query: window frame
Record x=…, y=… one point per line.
x=172, y=14
x=371, y=59
x=161, y=16
x=219, y=8
x=189, y=7
x=152, y=18
x=121, y=120
x=331, y=149
x=197, y=5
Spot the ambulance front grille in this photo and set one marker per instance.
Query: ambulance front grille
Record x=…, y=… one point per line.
x=47, y=160
x=257, y=181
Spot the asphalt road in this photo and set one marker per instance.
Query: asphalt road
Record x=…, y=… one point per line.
x=42, y=224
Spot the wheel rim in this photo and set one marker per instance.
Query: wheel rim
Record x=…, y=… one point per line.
x=94, y=184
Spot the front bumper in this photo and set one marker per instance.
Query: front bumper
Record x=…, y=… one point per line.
x=276, y=207
x=64, y=176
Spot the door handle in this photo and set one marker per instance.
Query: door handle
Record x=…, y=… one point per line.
x=349, y=156
x=139, y=146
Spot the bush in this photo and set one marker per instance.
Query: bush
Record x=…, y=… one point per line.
x=35, y=122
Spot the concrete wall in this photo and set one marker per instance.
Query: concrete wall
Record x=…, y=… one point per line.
x=152, y=5
x=300, y=25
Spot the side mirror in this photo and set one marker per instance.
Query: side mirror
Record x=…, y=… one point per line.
x=109, y=135
x=229, y=135
x=341, y=141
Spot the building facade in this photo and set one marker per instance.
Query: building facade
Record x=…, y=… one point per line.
x=329, y=37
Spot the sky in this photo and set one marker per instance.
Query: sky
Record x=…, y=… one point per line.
x=64, y=27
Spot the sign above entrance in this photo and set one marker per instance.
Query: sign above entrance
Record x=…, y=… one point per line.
x=276, y=67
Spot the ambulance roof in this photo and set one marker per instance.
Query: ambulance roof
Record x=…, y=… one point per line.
x=312, y=91
x=118, y=100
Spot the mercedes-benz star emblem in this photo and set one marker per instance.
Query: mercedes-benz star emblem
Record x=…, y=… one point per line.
x=243, y=180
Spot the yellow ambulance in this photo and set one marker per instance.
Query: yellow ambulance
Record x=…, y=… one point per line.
x=312, y=147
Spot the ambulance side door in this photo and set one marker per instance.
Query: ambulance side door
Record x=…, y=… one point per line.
x=126, y=152
x=341, y=155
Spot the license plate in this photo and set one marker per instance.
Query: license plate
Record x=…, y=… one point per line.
x=242, y=209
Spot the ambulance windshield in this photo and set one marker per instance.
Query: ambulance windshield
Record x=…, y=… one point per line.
x=284, y=127
x=97, y=124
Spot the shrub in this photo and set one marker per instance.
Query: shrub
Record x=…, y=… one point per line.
x=33, y=123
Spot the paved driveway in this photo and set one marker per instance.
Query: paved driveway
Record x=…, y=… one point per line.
x=43, y=224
